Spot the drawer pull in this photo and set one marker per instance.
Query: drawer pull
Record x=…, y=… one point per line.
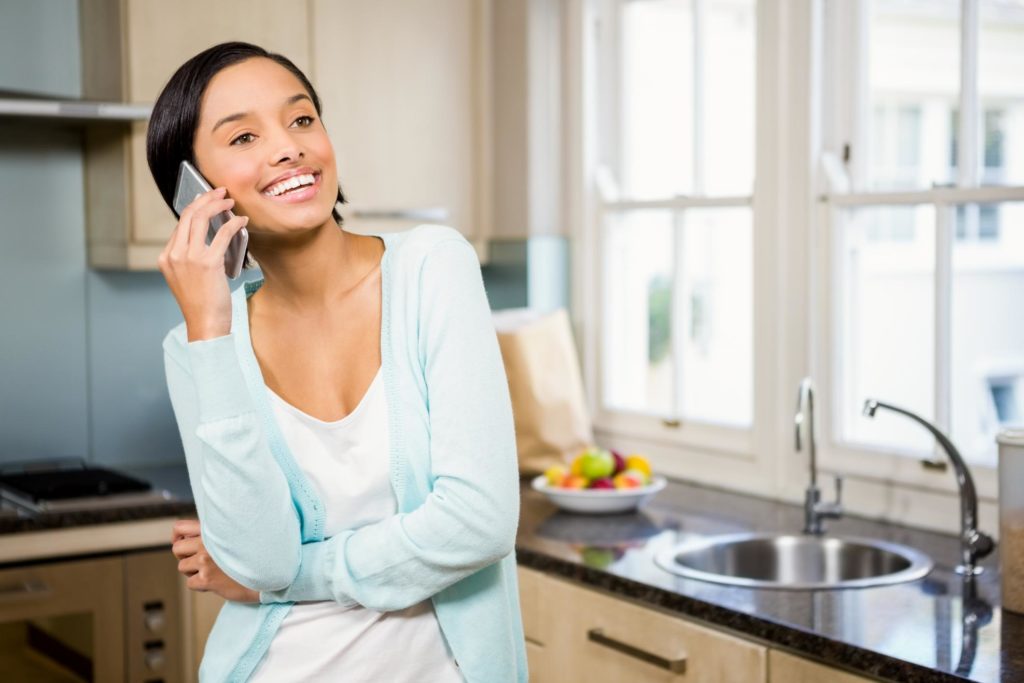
x=25, y=590
x=677, y=666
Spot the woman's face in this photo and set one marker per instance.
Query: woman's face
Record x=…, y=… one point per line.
x=257, y=124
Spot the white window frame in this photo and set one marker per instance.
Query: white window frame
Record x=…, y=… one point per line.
x=847, y=22
x=739, y=458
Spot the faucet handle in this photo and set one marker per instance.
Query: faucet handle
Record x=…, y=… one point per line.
x=835, y=508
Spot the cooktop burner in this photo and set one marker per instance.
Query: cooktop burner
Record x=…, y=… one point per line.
x=70, y=484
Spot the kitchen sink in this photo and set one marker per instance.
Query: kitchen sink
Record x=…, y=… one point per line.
x=795, y=562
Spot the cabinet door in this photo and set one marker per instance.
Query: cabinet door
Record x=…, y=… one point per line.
x=71, y=610
x=401, y=82
x=160, y=37
x=787, y=668
x=596, y=637
x=204, y=607
x=536, y=624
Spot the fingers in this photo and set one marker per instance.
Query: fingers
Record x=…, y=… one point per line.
x=186, y=547
x=181, y=231
x=183, y=528
x=219, y=245
x=199, y=223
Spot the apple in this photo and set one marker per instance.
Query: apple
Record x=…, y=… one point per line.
x=620, y=462
x=626, y=481
x=573, y=481
x=597, y=463
x=602, y=483
x=639, y=475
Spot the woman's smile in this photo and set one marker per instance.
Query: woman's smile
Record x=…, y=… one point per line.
x=299, y=188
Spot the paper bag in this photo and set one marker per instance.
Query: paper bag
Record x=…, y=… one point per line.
x=548, y=402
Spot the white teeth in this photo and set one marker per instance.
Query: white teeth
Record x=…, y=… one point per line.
x=290, y=184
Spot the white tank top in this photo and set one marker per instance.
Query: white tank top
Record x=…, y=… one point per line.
x=346, y=462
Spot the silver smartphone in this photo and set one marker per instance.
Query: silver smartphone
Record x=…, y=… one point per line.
x=190, y=184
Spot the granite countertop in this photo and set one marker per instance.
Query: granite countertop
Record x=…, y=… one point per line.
x=908, y=632
x=919, y=631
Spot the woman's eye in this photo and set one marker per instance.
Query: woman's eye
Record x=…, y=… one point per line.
x=309, y=118
x=240, y=137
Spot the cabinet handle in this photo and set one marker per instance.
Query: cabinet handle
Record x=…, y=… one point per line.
x=428, y=215
x=25, y=590
x=677, y=665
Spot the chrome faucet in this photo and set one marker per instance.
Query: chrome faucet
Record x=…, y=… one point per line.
x=974, y=544
x=814, y=509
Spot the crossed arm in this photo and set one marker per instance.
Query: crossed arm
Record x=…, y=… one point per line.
x=468, y=521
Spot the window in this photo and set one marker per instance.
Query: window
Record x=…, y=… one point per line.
x=676, y=90
x=927, y=239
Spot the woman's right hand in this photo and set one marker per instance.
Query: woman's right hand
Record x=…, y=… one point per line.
x=195, y=271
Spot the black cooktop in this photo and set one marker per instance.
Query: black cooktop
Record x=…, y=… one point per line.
x=70, y=484
x=62, y=484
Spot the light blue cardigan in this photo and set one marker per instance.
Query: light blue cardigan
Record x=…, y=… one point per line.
x=452, y=462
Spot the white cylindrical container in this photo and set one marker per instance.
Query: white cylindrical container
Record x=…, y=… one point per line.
x=1011, y=517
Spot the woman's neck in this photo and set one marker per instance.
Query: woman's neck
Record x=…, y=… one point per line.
x=306, y=275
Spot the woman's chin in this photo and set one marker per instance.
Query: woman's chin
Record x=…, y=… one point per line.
x=291, y=226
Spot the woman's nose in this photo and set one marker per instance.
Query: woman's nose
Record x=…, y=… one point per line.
x=286, y=149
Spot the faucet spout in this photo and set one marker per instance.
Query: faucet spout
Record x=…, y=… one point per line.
x=974, y=543
x=815, y=510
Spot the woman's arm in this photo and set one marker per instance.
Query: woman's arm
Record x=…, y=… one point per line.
x=249, y=526
x=469, y=519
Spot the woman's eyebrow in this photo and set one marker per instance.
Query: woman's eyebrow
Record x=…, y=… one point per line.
x=242, y=114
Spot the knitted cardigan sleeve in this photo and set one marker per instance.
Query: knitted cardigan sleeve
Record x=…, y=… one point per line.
x=247, y=520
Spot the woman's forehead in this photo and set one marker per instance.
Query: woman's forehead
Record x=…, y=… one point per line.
x=248, y=86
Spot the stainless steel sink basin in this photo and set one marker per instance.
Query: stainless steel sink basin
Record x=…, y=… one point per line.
x=795, y=562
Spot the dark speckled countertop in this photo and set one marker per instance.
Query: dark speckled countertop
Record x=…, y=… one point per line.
x=908, y=632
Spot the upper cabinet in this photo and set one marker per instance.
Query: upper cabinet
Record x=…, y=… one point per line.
x=527, y=76
x=405, y=87
x=130, y=49
x=440, y=112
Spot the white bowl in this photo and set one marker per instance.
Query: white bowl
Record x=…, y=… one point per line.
x=598, y=500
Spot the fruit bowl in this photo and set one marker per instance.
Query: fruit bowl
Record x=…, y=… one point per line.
x=598, y=500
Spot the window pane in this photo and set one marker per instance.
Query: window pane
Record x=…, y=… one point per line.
x=1001, y=91
x=687, y=122
x=913, y=91
x=716, y=316
x=886, y=323
x=988, y=333
x=729, y=96
x=657, y=98
x=637, y=294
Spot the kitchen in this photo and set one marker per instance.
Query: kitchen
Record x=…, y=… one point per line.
x=725, y=197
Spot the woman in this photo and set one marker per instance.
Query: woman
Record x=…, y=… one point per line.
x=346, y=419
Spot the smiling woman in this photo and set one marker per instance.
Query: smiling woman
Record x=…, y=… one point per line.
x=175, y=132
x=341, y=516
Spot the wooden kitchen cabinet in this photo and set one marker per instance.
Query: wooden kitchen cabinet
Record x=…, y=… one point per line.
x=130, y=49
x=44, y=604
x=580, y=634
x=786, y=668
x=405, y=87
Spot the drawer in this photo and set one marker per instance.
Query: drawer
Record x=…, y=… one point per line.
x=597, y=637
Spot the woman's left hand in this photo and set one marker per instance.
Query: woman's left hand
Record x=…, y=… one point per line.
x=202, y=572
